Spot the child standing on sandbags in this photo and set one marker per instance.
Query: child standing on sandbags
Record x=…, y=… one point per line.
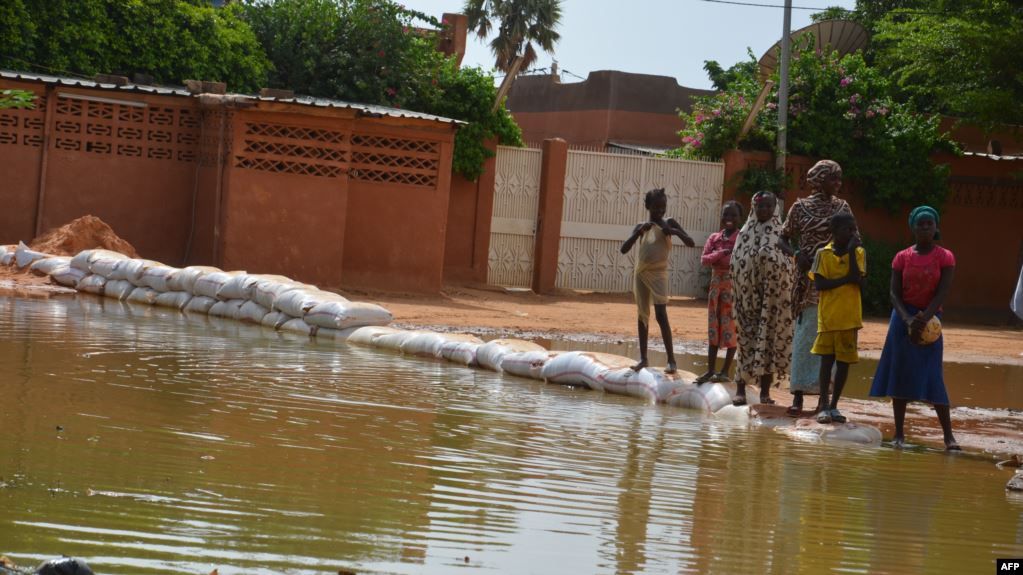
x=838, y=272
x=650, y=283
x=717, y=254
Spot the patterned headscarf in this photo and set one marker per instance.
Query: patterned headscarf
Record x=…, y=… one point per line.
x=921, y=212
x=821, y=171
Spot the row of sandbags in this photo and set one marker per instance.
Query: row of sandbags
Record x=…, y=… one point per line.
x=270, y=300
x=279, y=302
x=598, y=371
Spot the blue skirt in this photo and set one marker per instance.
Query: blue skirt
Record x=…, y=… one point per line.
x=909, y=371
x=806, y=367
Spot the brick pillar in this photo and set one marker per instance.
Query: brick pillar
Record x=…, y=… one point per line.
x=548, y=216
x=735, y=163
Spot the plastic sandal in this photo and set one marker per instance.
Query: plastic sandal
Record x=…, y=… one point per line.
x=836, y=416
x=824, y=417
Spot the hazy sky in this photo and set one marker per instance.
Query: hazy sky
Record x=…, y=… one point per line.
x=664, y=37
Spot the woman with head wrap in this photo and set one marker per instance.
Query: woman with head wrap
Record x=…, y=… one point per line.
x=762, y=270
x=808, y=223
x=909, y=368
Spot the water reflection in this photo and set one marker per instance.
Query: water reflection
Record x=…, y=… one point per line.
x=188, y=443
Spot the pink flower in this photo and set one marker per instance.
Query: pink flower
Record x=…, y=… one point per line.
x=854, y=98
x=869, y=114
x=391, y=92
x=845, y=81
x=883, y=111
x=699, y=118
x=380, y=53
x=696, y=143
x=772, y=106
x=717, y=113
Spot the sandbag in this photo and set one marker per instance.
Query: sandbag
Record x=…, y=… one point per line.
x=45, y=266
x=24, y=256
x=118, y=289
x=7, y=254
x=157, y=277
x=343, y=313
x=83, y=259
x=298, y=325
x=268, y=287
x=367, y=335
x=200, y=304
x=849, y=432
x=209, y=284
x=132, y=269
x=229, y=309
x=252, y=312
x=395, y=339
x=490, y=354
x=737, y=413
x=460, y=348
x=425, y=344
x=274, y=319
x=143, y=295
x=92, y=283
x=527, y=363
x=326, y=333
x=107, y=267
x=582, y=368
x=299, y=301
x=707, y=397
x=238, y=287
x=67, y=276
x=185, y=279
x=173, y=299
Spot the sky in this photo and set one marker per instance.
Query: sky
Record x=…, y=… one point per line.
x=663, y=37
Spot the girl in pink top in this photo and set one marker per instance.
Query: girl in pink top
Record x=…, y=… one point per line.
x=717, y=254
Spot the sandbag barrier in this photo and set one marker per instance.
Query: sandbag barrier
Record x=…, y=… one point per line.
x=284, y=304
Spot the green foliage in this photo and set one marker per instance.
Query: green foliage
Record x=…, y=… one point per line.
x=756, y=178
x=370, y=51
x=876, y=292
x=519, y=24
x=16, y=99
x=839, y=108
x=171, y=40
x=722, y=79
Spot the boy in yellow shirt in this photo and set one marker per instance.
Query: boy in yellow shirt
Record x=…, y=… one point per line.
x=839, y=279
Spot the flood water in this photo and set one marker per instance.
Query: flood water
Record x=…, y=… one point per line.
x=148, y=441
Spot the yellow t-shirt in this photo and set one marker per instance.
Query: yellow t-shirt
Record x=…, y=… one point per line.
x=839, y=308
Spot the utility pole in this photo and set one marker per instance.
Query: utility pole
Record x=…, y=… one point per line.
x=783, y=89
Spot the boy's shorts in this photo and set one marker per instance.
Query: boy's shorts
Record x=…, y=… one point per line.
x=841, y=344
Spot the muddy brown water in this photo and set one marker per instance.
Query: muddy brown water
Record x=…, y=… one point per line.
x=148, y=441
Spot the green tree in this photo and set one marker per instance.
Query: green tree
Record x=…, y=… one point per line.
x=16, y=99
x=519, y=23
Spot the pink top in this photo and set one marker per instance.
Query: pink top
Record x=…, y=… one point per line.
x=921, y=273
x=717, y=252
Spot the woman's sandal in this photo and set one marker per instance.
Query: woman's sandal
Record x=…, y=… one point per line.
x=766, y=400
x=794, y=411
x=739, y=400
x=671, y=368
x=837, y=417
x=952, y=446
x=824, y=416
x=704, y=378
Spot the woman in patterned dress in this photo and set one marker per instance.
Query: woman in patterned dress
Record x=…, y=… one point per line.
x=808, y=222
x=762, y=271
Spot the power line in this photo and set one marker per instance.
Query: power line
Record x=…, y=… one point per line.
x=762, y=5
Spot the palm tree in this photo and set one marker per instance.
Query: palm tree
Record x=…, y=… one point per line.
x=519, y=24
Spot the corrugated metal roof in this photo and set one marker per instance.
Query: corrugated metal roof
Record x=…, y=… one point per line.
x=992, y=156
x=367, y=109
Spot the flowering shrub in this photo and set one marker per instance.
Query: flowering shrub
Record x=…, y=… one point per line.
x=839, y=108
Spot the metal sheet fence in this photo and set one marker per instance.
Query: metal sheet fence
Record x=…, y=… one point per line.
x=512, y=232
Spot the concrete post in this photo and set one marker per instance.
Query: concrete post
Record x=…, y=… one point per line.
x=548, y=216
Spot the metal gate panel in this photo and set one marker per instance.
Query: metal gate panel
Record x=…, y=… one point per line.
x=513, y=227
x=604, y=196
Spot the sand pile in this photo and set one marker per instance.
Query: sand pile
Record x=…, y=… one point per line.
x=87, y=232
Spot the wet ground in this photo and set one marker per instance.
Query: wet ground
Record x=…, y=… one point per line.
x=148, y=441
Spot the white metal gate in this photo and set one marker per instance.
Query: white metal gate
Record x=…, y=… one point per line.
x=603, y=202
x=513, y=228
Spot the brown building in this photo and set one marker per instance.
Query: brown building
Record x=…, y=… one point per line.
x=606, y=109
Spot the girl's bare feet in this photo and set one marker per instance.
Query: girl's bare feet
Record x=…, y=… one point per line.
x=672, y=368
x=704, y=378
x=641, y=365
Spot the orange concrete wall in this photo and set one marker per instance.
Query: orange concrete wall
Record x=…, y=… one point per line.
x=21, y=153
x=467, y=239
x=395, y=235
x=980, y=223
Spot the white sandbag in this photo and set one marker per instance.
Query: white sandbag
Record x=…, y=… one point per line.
x=83, y=259
x=23, y=255
x=707, y=397
x=298, y=325
x=849, y=432
x=646, y=384
x=367, y=335
x=252, y=312
x=268, y=287
x=737, y=413
x=143, y=295
x=92, y=283
x=527, y=363
x=185, y=279
x=299, y=301
x=229, y=309
x=107, y=266
x=326, y=333
x=274, y=319
x=394, y=340
x=490, y=354
x=118, y=289
x=157, y=277
x=131, y=270
x=582, y=368
x=209, y=284
x=45, y=266
x=7, y=254
x=425, y=344
x=343, y=313
x=238, y=287
x=173, y=299
x=460, y=348
x=200, y=304
x=67, y=276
